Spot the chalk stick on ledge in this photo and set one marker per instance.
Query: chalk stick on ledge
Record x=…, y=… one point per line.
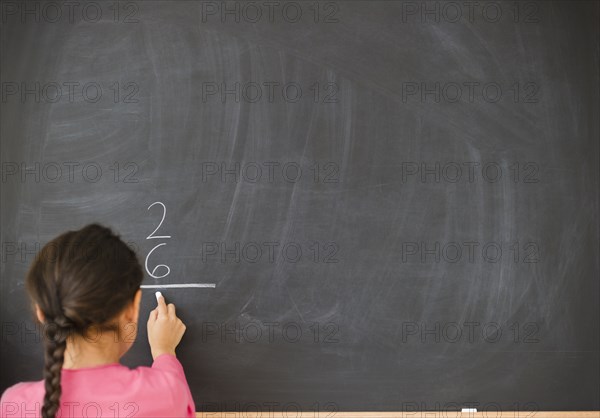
x=467, y=410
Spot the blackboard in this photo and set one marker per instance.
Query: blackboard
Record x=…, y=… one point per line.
x=390, y=205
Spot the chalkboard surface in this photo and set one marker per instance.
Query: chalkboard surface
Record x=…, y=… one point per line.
x=370, y=205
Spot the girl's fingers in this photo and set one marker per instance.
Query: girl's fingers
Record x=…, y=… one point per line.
x=171, y=309
x=153, y=315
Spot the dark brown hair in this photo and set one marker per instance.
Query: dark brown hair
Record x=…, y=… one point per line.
x=79, y=279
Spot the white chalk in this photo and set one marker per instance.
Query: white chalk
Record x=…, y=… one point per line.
x=178, y=285
x=158, y=295
x=469, y=410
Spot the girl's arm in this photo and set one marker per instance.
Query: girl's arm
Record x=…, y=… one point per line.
x=177, y=382
x=165, y=331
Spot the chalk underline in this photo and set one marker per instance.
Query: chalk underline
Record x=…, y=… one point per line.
x=179, y=285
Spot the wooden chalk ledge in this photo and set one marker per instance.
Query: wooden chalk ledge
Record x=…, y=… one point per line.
x=420, y=414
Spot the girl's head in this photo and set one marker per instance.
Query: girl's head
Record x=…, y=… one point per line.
x=81, y=284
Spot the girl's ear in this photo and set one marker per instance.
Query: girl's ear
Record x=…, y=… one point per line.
x=39, y=313
x=136, y=302
x=133, y=311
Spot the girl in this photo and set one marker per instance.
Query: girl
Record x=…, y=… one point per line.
x=85, y=289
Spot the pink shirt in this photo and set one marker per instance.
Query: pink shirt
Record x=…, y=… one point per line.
x=110, y=390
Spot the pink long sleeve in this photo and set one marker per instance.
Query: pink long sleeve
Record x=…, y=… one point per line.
x=111, y=390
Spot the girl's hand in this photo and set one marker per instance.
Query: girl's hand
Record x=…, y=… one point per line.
x=165, y=329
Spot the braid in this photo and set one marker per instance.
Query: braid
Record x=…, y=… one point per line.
x=56, y=345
